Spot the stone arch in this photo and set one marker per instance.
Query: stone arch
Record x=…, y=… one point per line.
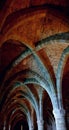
x=34, y=52
x=59, y=75
x=12, y=102
x=20, y=108
x=29, y=81
x=22, y=15
x=58, y=37
x=36, y=25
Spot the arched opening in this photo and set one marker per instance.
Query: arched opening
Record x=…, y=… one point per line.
x=21, y=125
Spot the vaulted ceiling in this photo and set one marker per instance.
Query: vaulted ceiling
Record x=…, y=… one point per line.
x=33, y=36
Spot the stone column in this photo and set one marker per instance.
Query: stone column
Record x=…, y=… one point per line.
x=21, y=127
x=4, y=128
x=31, y=127
x=59, y=119
x=9, y=127
x=40, y=121
x=40, y=124
x=30, y=124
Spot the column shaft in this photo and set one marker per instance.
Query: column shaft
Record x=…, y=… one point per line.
x=40, y=124
x=59, y=119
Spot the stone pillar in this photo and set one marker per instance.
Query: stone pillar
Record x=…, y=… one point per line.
x=21, y=127
x=30, y=124
x=40, y=124
x=4, y=128
x=9, y=127
x=59, y=119
x=40, y=121
x=31, y=127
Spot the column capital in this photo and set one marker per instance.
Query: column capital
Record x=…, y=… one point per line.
x=57, y=112
x=59, y=115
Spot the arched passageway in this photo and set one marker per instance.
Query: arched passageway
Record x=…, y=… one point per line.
x=34, y=65
x=21, y=125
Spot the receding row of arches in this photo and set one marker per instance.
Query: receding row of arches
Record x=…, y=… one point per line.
x=31, y=93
